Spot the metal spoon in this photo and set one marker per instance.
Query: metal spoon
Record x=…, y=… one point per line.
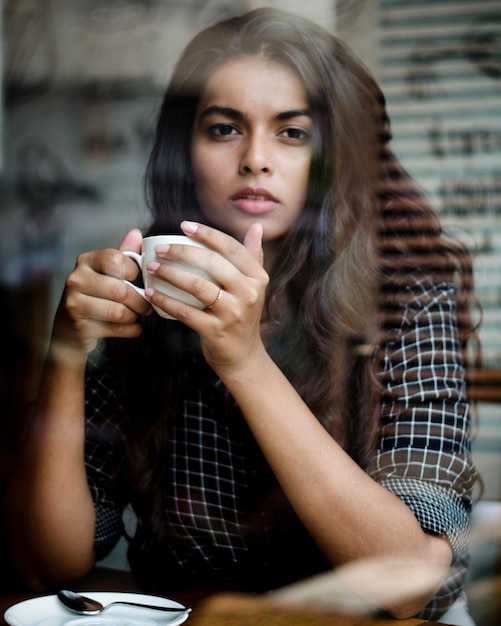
x=87, y=606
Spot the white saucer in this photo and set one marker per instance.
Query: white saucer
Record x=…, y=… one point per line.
x=48, y=611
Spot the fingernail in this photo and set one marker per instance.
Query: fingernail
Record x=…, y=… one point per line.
x=189, y=227
x=163, y=248
x=153, y=266
x=149, y=292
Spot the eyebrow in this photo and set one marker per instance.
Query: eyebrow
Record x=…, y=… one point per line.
x=235, y=114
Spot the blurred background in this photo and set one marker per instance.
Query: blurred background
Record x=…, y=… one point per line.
x=82, y=81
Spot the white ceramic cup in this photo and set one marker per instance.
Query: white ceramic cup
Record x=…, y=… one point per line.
x=148, y=255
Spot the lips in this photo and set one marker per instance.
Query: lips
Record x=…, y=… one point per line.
x=254, y=201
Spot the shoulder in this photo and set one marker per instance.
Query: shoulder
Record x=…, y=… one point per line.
x=421, y=300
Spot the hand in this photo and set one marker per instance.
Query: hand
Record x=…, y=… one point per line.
x=230, y=328
x=97, y=303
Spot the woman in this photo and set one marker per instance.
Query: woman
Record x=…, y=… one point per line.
x=314, y=414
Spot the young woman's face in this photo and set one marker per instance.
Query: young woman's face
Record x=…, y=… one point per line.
x=251, y=147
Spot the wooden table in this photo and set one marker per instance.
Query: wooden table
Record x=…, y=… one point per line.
x=221, y=609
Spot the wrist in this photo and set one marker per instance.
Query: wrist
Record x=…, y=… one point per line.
x=253, y=367
x=64, y=355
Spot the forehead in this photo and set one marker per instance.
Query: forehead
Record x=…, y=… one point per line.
x=254, y=81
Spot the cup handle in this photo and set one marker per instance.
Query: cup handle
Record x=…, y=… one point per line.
x=138, y=259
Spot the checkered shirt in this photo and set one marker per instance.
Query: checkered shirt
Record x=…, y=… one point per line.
x=229, y=525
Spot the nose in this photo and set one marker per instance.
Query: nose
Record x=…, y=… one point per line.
x=256, y=156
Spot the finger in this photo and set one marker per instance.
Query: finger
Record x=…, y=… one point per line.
x=101, y=330
x=95, y=276
x=85, y=309
x=109, y=262
x=186, y=313
x=253, y=241
x=81, y=320
x=194, y=270
x=204, y=290
x=227, y=246
x=132, y=241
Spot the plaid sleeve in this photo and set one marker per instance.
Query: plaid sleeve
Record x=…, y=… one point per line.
x=104, y=453
x=424, y=453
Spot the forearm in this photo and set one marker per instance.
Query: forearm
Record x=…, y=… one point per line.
x=49, y=510
x=351, y=517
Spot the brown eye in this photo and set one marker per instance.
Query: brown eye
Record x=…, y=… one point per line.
x=222, y=130
x=297, y=134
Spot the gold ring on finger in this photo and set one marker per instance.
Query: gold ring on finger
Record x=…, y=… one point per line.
x=218, y=297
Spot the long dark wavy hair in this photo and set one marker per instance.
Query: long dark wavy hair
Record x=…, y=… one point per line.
x=343, y=269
